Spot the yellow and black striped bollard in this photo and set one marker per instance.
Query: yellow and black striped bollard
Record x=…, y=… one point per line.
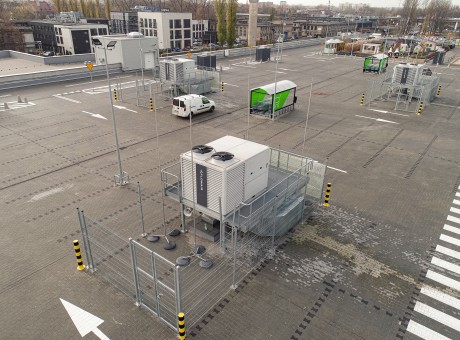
x=76, y=247
x=181, y=323
x=222, y=87
x=151, y=105
x=115, y=96
x=439, y=90
x=420, y=108
x=326, y=197
x=362, y=99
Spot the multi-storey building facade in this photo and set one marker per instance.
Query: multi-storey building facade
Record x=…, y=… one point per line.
x=123, y=22
x=173, y=30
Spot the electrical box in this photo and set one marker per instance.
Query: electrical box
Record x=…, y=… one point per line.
x=177, y=70
x=234, y=169
x=407, y=74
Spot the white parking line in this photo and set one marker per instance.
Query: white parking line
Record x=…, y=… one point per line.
x=451, y=229
x=456, y=202
x=437, y=315
x=330, y=167
x=448, y=252
x=450, y=239
x=441, y=297
x=231, y=84
x=244, y=66
x=276, y=71
x=453, y=219
x=446, y=281
x=424, y=332
x=70, y=100
x=445, y=265
x=5, y=95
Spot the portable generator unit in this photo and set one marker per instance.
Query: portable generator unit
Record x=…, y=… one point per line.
x=230, y=168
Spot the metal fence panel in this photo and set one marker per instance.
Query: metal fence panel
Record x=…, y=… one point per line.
x=110, y=256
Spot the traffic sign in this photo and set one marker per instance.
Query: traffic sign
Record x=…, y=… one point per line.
x=89, y=66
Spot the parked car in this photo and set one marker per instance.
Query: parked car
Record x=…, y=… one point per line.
x=193, y=104
x=176, y=49
x=212, y=45
x=48, y=54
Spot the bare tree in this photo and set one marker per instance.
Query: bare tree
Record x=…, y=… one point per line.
x=408, y=15
x=437, y=13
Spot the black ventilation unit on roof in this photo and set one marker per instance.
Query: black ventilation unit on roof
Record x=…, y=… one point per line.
x=222, y=156
x=202, y=149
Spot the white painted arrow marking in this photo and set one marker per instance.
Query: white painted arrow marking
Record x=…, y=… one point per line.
x=84, y=322
x=378, y=119
x=124, y=108
x=95, y=115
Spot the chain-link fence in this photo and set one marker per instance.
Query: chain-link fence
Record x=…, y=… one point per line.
x=152, y=277
x=406, y=97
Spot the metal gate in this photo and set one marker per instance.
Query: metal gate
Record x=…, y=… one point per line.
x=156, y=282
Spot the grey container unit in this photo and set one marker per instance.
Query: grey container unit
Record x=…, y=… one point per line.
x=263, y=54
x=407, y=74
x=206, y=62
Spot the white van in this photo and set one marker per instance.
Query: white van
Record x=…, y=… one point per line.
x=191, y=103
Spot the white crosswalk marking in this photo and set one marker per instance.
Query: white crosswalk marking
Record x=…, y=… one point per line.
x=455, y=210
x=437, y=315
x=452, y=229
x=456, y=202
x=448, y=252
x=446, y=281
x=450, y=239
x=424, y=332
x=457, y=194
x=453, y=219
x=445, y=264
x=441, y=297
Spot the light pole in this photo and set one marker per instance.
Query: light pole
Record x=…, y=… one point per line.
x=141, y=57
x=122, y=178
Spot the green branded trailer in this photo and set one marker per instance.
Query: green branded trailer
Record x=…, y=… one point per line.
x=273, y=100
x=377, y=63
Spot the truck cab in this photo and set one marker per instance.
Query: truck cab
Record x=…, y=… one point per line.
x=193, y=104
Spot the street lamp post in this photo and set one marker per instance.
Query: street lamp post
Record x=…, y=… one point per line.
x=122, y=178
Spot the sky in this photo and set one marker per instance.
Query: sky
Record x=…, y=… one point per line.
x=372, y=3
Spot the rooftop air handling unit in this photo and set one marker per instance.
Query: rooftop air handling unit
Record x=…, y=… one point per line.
x=407, y=74
x=176, y=70
x=234, y=169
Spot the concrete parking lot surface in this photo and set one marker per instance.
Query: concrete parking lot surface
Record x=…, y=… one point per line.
x=382, y=262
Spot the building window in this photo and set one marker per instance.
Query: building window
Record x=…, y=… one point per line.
x=178, y=23
x=187, y=43
x=154, y=23
x=150, y=23
x=186, y=23
x=178, y=34
x=60, y=32
x=187, y=34
x=171, y=34
x=171, y=24
x=154, y=33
